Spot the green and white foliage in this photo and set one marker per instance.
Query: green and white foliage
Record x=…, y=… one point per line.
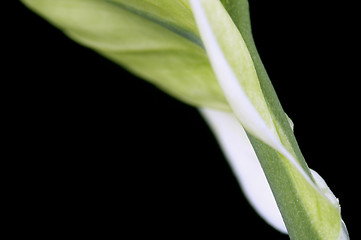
x=202, y=52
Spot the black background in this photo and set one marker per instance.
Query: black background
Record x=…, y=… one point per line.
x=99, y=151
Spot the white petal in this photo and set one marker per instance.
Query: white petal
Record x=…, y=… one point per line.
x=324, y=188
x=344, y=233
x=331, y=197
x=245, y=165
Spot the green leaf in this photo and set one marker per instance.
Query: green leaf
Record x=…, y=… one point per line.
x=210, y=63
x=324, y=222
x=158, y=45
x=307, y=212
